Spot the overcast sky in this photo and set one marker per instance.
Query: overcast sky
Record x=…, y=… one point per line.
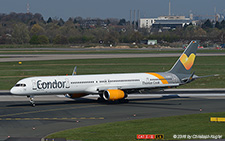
x=112, y=8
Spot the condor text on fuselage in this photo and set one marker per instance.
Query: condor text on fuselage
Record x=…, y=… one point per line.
x=50, y=85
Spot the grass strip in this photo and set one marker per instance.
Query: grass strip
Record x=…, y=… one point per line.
x=11, y=72
x=196, y=124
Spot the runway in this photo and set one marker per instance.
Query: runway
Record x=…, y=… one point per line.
x=56, y=113
x=41, y=57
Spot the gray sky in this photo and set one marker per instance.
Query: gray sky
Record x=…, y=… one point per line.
x=112, y=8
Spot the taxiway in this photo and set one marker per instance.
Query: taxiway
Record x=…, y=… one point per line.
x=41, y=57
x=56, y=113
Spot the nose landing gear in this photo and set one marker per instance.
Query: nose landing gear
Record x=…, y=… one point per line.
x=31, y=100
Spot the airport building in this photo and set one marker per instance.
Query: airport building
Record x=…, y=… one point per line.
x=164, y=22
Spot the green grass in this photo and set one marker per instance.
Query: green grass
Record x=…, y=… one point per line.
x=11, y=72
x=197, y=124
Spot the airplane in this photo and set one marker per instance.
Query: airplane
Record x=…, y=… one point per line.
x=110, y=87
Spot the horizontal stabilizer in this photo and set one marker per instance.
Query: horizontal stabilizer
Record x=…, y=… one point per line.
x=214, y=75
x=193, y=77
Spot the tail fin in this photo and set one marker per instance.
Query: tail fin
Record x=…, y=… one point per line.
x=186, y=60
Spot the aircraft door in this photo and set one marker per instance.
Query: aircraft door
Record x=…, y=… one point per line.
x=34, y=84
x=67, y=83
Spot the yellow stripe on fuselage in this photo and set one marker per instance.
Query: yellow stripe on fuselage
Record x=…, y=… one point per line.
x=164, y=81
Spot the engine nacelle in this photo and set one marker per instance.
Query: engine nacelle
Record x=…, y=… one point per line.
x=112, y=95
x=75, y=95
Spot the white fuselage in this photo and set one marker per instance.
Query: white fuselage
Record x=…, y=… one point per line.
x=90, y=84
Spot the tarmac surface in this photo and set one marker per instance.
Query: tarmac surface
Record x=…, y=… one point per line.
x=55, y=113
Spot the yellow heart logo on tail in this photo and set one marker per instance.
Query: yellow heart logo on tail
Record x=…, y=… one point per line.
x=187, y=61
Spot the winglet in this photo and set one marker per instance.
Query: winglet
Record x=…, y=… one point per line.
x=74, y=71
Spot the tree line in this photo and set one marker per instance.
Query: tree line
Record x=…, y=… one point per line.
x=28, y=28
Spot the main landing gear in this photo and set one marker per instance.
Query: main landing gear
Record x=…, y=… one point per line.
x=31, y=100
x=101, y=99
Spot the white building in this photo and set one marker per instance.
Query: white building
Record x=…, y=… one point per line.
x=166, y=22
x=146, y=22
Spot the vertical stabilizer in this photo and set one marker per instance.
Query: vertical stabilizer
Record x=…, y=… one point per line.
x=186, y=60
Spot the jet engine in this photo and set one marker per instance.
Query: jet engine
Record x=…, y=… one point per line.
x=112, y=95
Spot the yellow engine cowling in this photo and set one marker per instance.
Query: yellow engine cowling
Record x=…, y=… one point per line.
x=112, y=94
x=75, y=95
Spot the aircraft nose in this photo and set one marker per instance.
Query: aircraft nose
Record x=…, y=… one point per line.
x=13, y=90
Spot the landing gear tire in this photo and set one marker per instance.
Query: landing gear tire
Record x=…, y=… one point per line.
x=101, y=99
x=123, y=101
x=126, y=100
x=33, y=104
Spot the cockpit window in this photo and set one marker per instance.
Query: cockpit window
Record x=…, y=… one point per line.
x=20, y=85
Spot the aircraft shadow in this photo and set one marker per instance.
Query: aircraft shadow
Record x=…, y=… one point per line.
x=54, y=103
x=5, y=93
x=138, y=102
x=153, y=103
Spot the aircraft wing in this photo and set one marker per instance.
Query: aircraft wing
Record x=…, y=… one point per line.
x=130, y=87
